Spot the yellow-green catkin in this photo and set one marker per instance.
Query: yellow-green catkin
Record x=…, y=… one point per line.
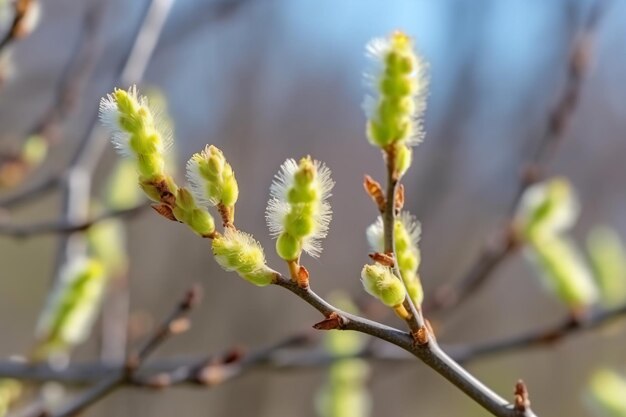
x=547, y=211
x=137, y=133
x=380, y=282
x=107, y=242
x=606, y=391
x=213, y=181
x=547, y=207
x=240, y=252
x=297, y=212
x=564, y=270
x=71, y=307
x=397, y=99
x=407, y=232
x=120, y=193
x=10, y=390
x=344, y=393
x=608, y=260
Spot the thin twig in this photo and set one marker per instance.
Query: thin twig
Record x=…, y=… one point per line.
x=416, y=320
x=168, y=372
x=430, y=353
x=61, y=227
x=20, y=10
x=504, y=242
x=176, y=322
x=33, y=191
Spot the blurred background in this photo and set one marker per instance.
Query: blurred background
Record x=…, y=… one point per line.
x=266, y=80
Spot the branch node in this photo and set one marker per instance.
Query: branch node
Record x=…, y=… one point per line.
x=375, y=191
x=164, y=210
x=332, y=322
x=382, y=258
x=421, y=336
x=303, y=277
x=522, y=401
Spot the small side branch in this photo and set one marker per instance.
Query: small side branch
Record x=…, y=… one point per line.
x=63, y=227
x=177, y=322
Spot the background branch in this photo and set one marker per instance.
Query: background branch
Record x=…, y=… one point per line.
x=504, y=243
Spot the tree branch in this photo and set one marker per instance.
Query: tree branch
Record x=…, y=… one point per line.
x=168, y=372
x=175, y=323
x=430, y=353
x=63, y=227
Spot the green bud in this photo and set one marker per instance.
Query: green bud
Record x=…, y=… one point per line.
x=184, y=199
x=607, y=390
x=107, y=241
x=201, y=222
x=608, y=260
x=306, y=173
x=414, y=289
x=404, y=157
x=299, y=222
x=35, y=150
x=548, y=207
x=239, y=252
x=406, y=238
x=564, y=270
x=380, y=282
x=151, y=191
x=212, y=178
x=10, y=391
x=182, y=215
x=230, y=191
x=303, y=195
x=288, y=247
x=395, y=112
x=215, y=163
x=72, y=306
x=120, y=192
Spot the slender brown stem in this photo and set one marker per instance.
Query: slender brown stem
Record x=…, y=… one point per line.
x=430, y=353
x=278, y=357
x=62, y=227
x=170, y=326
x=415, y=321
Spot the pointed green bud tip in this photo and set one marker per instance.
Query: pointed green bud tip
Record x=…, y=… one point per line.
x=398, y=85
x=380, y=282
x=212, y=178
x=72, y=306
x=240, y=252
x=184, y=199
x=188, y=212
x=548, y=207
